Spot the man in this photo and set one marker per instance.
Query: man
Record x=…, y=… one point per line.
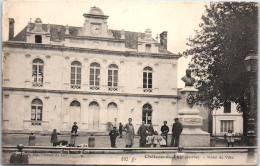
x=113, y=134
x=142, y=132
x=74, y=131
x=165, y=130
x=120, y=129
x=74, y=128
x=130, y=133
x=150, y=129
x=176, y=132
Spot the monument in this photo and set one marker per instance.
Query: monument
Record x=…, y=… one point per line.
x=192, y=134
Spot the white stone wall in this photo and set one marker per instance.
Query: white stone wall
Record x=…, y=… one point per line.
x=57, y=95
x=56, y=110
x=219, y=115
x=18, y=70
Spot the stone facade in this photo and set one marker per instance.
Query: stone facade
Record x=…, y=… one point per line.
x=55, y=75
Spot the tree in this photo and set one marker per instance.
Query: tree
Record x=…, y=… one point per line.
x=227, y=34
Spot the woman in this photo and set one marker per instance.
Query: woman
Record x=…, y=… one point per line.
x=54, y=138
x=130, y=133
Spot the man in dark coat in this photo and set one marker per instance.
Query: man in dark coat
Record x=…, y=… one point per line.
x=150, y=129
x=176, y=132
x=165, y=130
x=120, y=129
x=113, y=134
x=142, y=132
x=54, y=138
x=74, y=128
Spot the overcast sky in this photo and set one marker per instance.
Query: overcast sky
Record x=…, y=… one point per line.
x=180, y=19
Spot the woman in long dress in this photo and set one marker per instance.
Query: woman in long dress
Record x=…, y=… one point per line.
x=130, y=133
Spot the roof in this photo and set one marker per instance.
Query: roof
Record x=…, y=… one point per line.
x=57, y=33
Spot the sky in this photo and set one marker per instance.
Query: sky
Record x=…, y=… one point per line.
x=180, y=19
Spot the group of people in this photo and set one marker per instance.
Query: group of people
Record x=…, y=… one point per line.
x=74, y=130
x=148, y=136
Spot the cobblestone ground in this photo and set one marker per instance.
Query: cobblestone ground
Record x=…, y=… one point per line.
x=100, y=141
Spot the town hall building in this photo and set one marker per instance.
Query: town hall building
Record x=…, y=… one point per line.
x=55, y=75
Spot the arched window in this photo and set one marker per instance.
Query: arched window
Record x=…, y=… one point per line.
x=147, y=114
x=93, y=104
x=112, y=105
x=37, y=72
x=75, y=103
x=94, y=77
x=75, y=76
x=112, y=77
x=36, y=112
x=38, y=39
x=147, y=79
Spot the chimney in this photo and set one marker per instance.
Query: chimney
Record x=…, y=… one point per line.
x=148, y=33
x=163, y=39
x=11, y=28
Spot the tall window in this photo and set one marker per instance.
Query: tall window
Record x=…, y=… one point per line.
x=38, y=39
x=94, y=76
x=147, y=114
x=227, y=107
x=112, y=77
x=37, y=72
x=227, y=125
x=147, y=79
x=36, y=112
x=75, y=77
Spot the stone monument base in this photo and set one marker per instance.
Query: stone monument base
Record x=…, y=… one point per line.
x=194, y=140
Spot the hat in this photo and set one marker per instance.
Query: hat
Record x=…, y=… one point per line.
x=176, y=119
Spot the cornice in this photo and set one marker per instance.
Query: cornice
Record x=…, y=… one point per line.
x=95, y=16
x=87, y=50
x=87, y=92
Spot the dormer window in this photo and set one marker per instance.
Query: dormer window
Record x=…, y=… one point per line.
x=148, y=47
x=38, y=39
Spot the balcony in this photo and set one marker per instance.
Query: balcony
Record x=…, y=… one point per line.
x=111, y=88
x=94, y=87
x=147, y=90
x=37, y=84
x=75, y=86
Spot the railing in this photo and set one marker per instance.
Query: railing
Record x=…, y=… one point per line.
x=75, y=86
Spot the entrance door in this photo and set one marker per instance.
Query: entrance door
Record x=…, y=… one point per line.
x=112, y=114
x=74, y=113
x=93, y=116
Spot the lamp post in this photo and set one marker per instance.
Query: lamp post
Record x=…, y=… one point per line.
x=251, y=65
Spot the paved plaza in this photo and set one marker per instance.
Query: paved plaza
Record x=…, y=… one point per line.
x=226, y=157
x=100, y=141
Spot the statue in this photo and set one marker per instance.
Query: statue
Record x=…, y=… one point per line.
x=189, y=81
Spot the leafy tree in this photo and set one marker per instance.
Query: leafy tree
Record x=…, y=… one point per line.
x=227, y=34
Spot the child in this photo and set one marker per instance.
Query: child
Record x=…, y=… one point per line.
x=155, y=139
x=230, y=138
x=149, y=139
x=113, y=134
x=162, y=140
